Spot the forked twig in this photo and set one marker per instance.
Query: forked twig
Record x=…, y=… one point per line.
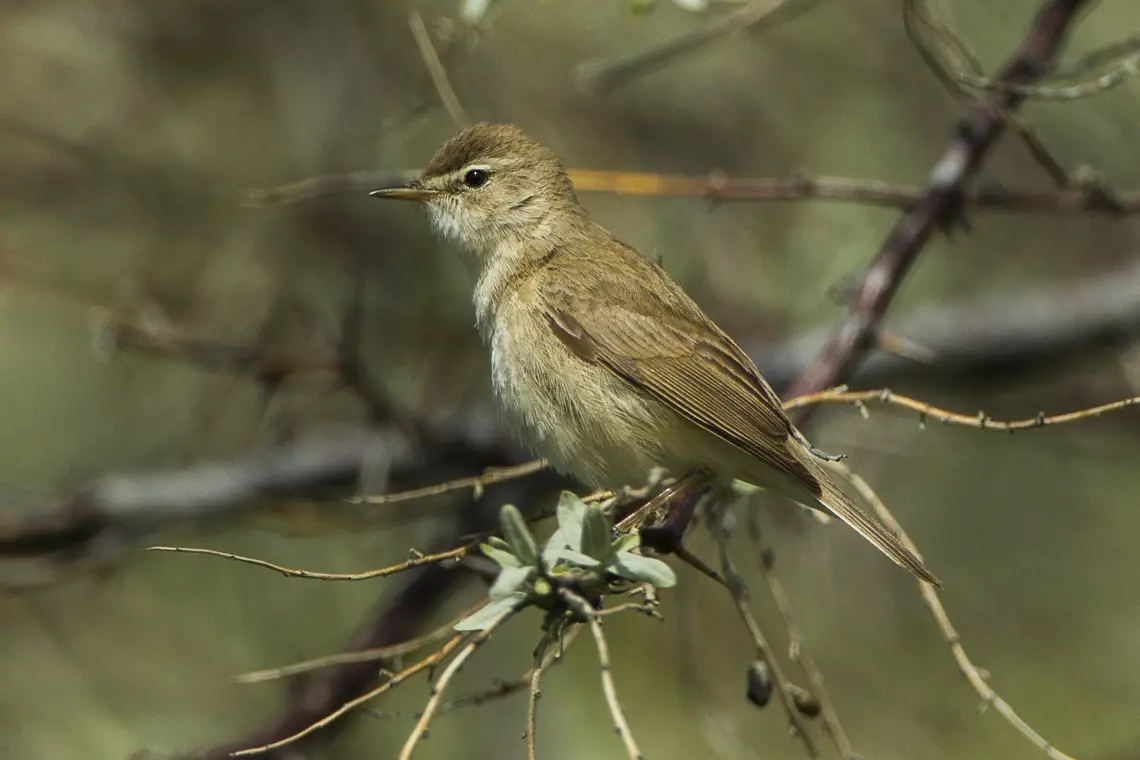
x=586, y=610
x=430, y=661
x=438, y=688
x=949, y=634
x=363, y=655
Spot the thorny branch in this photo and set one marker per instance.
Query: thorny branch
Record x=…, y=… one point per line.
x=941, y=207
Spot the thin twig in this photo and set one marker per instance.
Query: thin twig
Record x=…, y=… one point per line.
x=363, y=655
x=426, y=559
x=532, y=700
x=1125, y=69
x=435, y=69
x=601, y=77
x=438, y=688
x=430, y=661
x=981, y=420
x=586, y=610
x=739, y=591
x=498, y=690
x=476, y=482
x=798, y=649
x=949, y=634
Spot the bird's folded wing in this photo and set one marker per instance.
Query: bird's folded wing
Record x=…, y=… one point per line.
x=686, y=363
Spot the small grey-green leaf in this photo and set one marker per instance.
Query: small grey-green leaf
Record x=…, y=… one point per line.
x=595, y=533
x=554, y=543
x=510, y=580
x=628, y=542
x=643, y=569
x=499, y=543
x=571, y=513
x=502, y=556
x=518, y=535
x=480, y=619
x=574, y=557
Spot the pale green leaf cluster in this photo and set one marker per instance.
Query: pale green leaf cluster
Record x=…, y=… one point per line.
x=580, y=553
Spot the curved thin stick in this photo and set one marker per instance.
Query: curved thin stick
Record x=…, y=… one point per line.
x=583, y=608
x=429, y=661
x=475, y=482
x=949, y=634
x=362, y=655
x=445, y=677
x=536, y=672
x=426, y=559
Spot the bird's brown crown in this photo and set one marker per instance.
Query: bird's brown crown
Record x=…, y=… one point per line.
x=483, y=142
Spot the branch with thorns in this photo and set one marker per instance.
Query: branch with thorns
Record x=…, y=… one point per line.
x=799, y=703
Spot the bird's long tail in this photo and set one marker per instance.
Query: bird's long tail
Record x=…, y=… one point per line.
x=840, y=504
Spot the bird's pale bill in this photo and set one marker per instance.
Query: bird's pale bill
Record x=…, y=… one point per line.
x=412, y=191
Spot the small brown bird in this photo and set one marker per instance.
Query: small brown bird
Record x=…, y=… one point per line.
x=601, y=362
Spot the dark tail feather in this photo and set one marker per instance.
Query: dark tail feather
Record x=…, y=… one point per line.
x=839, y=504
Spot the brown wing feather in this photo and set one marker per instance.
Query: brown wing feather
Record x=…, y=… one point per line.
x=689, y=365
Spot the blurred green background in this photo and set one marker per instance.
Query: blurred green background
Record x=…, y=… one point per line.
x=128, y=133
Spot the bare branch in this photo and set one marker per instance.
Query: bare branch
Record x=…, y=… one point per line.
x=437, y=72
x=365, y=655
x=981, y=420
x=586, y=610
x=419, y=561
x=949, y=634
x=445, y=677
x=941, y=206
x=532, y=700
x=395, y=680
x=476, y=483
x=718, y=186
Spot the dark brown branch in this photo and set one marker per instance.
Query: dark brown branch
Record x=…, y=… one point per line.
x=942, y=205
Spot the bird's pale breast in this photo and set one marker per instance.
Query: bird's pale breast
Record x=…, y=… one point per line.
x=582, y=419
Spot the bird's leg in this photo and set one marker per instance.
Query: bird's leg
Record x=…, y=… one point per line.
x=663, y=520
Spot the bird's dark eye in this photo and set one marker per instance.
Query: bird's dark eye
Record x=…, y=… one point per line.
x=476, y=177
